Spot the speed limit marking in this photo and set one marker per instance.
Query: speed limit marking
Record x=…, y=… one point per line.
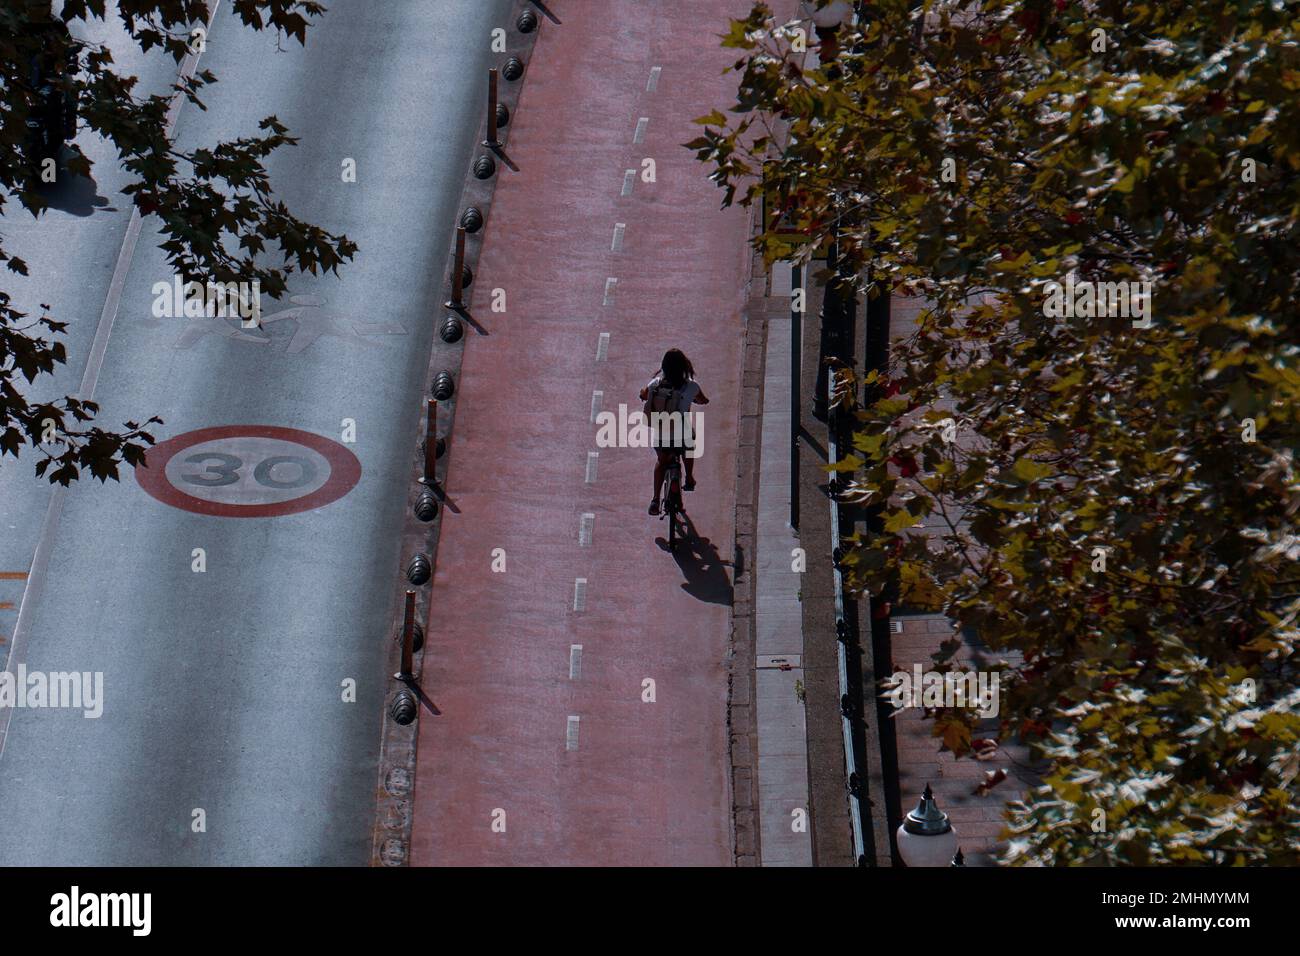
x=248, y=471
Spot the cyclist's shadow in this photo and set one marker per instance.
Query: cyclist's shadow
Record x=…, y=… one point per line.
x=701, y=565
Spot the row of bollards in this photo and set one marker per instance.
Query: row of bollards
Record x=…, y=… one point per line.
x=404, y=707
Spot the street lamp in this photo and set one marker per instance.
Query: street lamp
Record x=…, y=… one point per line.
x=926, y=838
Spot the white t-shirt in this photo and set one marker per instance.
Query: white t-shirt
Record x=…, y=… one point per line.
x=685, y=395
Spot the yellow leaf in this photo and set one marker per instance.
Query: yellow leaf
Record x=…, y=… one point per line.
x=899, y=521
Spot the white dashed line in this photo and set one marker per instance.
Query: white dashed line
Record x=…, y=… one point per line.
x=617, y=244
x=592, y=458
x=585, y=527
x=652, y=84
x=575, y=661
x=571, y=735
x=641, y=124
x=580, y=594
x=629, y=178
x=597, y=397
x=611, y=284
x=602, y=347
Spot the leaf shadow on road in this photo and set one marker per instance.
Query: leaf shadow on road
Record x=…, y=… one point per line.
x=702, y=566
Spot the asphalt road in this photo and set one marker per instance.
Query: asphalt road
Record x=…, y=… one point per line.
x=223, y=691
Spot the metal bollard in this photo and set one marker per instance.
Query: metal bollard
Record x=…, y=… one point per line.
x=419, y=570
x=472, y=219
x=426, y=505
x=458, y=273
x=403, y=708
x=430, y=445
x=491, y=141
x=451, y=329
x=407, y=671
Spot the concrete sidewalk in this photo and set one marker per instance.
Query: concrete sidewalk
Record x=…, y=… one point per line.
x=778, y=672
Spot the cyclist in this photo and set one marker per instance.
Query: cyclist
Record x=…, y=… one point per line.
x=674, y=389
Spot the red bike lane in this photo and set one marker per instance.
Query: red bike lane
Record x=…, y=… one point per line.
x=505, y=774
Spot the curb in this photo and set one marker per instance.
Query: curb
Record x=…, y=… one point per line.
x=742, y=716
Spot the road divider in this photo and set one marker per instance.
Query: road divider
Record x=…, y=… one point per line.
x=429, y=502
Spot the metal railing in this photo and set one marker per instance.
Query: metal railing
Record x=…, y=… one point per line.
x=846, y=638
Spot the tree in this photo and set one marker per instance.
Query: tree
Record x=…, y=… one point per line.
x=1117, y=504
x=217, y=211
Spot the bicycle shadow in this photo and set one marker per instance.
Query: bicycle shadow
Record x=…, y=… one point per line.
x=701, y=565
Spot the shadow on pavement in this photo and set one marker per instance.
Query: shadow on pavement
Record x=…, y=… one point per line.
x=702, y=566
x=441, y=494
x=505, y=158
x=465, y=314
x=546, y=10
x=76, y=195
x=418, y=691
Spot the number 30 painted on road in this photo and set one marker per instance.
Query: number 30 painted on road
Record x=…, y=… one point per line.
x=248, y=471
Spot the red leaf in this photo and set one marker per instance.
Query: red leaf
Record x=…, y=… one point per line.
x=991, y=780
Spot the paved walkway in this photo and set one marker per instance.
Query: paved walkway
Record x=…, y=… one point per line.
x=977, y=817
x=582, y=690
x=785, y=831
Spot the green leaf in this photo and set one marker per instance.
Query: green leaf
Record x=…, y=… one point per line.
x=1028, y=470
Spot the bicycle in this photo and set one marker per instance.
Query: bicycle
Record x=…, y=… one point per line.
x=673, y=509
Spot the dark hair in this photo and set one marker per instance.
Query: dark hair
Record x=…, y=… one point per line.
x=677, y=368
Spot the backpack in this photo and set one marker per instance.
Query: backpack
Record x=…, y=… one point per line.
x=663, y=398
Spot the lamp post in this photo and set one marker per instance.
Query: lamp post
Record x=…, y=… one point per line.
x=926, y=838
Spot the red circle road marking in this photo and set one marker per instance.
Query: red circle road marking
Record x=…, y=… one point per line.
x=345, y=472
